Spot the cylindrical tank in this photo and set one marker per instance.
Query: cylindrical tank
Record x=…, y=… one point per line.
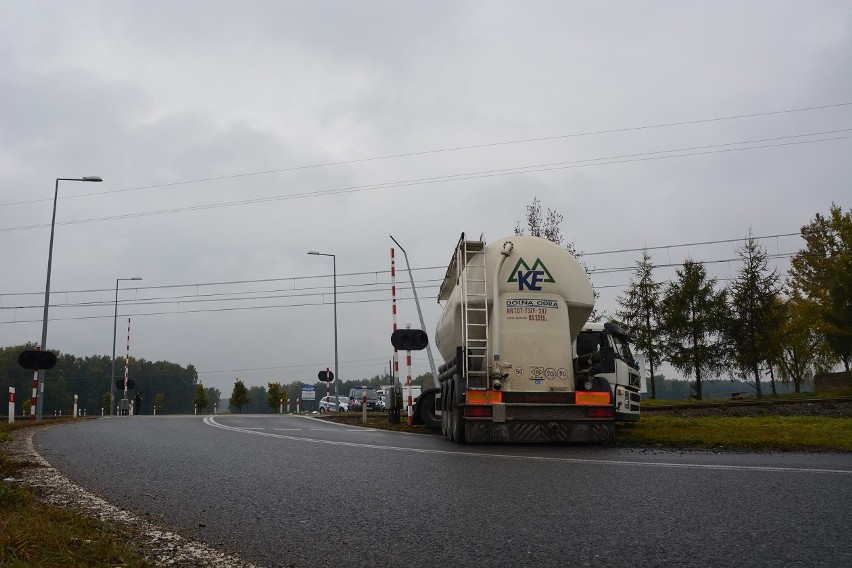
x=537, y=305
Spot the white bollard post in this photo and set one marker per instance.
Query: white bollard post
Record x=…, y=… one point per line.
x=11, y=405
x=281, y=406
x=298, y=406
x=75, y=407
x=155, y=410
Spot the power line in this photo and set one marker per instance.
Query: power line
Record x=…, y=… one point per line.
x=445, y=150
x=555, y=166
x=280, y=306
x=376, y=273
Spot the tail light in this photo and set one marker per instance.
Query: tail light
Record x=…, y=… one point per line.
x=600, y=412
x=478, y=411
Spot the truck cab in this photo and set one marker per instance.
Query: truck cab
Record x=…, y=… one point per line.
x=623, y=374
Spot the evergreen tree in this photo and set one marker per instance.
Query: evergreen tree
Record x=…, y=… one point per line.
x=752, y=302
x=201, y=399
x=275, y=396
x=639, y=313
x=239, y=396
x=693, y=316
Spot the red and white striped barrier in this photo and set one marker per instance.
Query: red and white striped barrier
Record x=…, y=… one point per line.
x=11, y=405
x=395, y=371
x=408, y=384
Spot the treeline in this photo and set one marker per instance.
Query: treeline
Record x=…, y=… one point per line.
x=169, y=384
x=760, y=326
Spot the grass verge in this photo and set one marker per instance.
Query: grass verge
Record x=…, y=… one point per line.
x=787, y=433
x=756, y=433
x=36, y=534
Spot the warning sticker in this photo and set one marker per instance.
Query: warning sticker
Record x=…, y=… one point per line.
x=536, y=373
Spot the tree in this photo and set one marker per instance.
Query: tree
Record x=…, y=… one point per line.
x=201, y=399
x=214, y=396
x=549, y=228
x=820, y=275
x=752, y=303
x=275, y=396
x=693, y=316
x=239, y=396
x=160, y=402
x=803, y=352
x=640, y=307
x=106, y=401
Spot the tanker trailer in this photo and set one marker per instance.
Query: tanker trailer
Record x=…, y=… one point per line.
x=510, y=309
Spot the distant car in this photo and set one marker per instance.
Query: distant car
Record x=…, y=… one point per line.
x=357, y=394
x=329, y=404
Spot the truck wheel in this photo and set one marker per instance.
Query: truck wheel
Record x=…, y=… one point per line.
x=451, y=418
x=426, y=407
x=457, y=414
x=445, y=413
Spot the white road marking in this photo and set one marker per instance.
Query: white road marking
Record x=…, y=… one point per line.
x=211, y=421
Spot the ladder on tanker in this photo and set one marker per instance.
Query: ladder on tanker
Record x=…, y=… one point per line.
x=474, y=312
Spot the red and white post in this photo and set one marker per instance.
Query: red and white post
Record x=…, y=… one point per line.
x=127, y=359
x=11, y=405
x=75, y=407
x=395, y=371
x=35, y=396
x=328, y=392
x=410, y=410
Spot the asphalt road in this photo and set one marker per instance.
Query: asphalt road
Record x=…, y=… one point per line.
x=294, y=491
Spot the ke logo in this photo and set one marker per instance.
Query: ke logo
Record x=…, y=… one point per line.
x=530, y=278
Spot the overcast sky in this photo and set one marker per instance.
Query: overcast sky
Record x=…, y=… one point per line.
x=233, y=137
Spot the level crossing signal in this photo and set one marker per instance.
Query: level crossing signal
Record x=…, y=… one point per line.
x=131, y=384
x=37, y=360
x=326, y=376
x=409, y=340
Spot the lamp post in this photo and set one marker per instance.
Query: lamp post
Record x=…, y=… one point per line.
x=40, y=392
x=114, y=333
x=334, y=272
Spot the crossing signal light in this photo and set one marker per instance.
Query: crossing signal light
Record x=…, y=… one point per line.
x=327, y=376
x=409, y=340
x=131, y=384
x=37, y=360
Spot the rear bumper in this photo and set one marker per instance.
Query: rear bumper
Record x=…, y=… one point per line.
x=541, y=423
x=539, y=431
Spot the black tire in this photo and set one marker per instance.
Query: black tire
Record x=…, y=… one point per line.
x=426, y=409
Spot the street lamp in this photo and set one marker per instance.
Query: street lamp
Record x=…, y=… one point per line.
x=334, y=269
x=40, y=391
x=114, y=332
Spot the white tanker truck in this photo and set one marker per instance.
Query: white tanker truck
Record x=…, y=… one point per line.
x=513, y=309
